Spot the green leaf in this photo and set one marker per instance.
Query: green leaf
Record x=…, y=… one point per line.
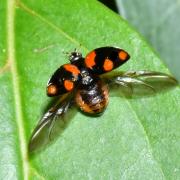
x=133, y=139
x=159, y=24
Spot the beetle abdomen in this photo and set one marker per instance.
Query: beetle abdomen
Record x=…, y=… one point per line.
x=94, y=99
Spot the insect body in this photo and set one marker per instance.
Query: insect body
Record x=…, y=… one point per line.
x=82, y=74
x=93, y=97
x=82, y=83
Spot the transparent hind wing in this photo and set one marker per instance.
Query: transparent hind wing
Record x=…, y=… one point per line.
x=139, y=83
x=157, y=80
x=52, y=123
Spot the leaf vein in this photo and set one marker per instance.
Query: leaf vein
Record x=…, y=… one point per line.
x=145, y=134
x=16, y=88
x=5, y=68
x=56, y=28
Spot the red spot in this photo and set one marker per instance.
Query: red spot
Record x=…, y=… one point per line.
x=123, y=55
x=51, y=90
x=90, y=59
x=69, y=85
x=108, y=65
x=71, y=68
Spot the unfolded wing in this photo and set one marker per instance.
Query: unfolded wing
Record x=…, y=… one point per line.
x=52, y=123
x=139, y=83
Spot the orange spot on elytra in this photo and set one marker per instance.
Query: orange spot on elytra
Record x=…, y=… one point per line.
x=90, y=59
x=51, y=90
x=68, y=85
x=108, y=65
x=71, y=68
x=123, y=55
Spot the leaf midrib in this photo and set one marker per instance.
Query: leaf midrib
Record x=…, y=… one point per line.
x=16, y=86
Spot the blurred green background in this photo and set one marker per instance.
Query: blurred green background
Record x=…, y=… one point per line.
x=158, y=22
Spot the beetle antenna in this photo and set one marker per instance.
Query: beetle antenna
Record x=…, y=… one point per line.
x=65, y=52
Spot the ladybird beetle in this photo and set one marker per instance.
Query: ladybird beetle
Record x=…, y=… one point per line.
x=82, y=73
x=81, y=82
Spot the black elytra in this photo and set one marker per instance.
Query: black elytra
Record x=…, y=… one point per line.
x=85, y=71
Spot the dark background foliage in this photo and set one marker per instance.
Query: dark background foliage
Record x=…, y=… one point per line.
x=158, y=22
